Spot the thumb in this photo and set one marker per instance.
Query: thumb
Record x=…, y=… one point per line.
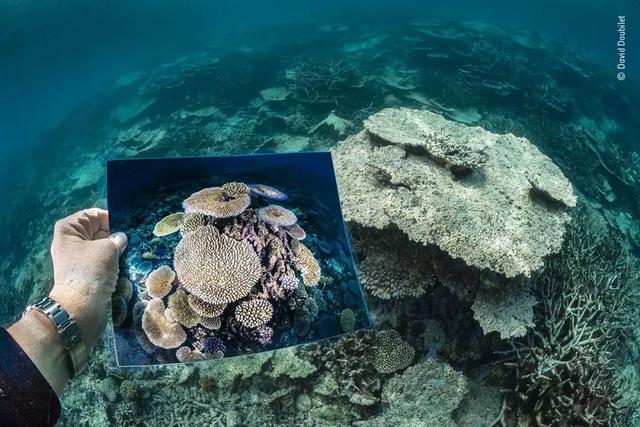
x=120, y=241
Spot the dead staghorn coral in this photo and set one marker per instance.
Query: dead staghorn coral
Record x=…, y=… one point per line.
x=463, y=189
x=216, y=203
x=159, y=281
x=277, y=215
x=564, y=370
x=321, y=81
x=254, y=313
x=307, y=263
x=161, y=332
x=217, y=269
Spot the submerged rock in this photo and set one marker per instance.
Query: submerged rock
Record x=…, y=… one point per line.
x=466, y=190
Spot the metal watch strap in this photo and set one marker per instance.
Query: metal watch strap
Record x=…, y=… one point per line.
x=67, y=330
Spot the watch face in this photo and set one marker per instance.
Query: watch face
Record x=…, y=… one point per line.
x=229, y=256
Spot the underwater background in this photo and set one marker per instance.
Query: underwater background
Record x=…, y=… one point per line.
x=85, y=82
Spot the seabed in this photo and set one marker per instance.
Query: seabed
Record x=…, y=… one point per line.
x=562, y=350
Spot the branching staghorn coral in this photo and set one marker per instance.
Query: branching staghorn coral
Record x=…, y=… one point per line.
x=564, y=369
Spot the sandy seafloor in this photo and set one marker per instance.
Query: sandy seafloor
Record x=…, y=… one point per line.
x=260, y=91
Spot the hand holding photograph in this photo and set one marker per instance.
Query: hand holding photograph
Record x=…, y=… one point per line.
x=229, y=256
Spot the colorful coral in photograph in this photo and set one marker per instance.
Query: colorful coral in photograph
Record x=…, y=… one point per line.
x=233, y=279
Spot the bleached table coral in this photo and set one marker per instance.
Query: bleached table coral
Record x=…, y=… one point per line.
x=495, y=201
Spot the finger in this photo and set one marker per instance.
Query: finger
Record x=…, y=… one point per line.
x=100, y=235
x=84, y=224
x=98, y=219
x=121, y=241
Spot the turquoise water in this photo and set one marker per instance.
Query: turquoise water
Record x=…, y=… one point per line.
x=453, y=343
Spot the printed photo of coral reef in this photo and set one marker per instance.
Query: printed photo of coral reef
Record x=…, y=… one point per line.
x=230, y=270
x=489, y=178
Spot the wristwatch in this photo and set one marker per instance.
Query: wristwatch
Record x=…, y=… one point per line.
x=68, y=330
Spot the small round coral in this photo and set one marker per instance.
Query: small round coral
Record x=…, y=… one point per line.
x=289, y=282
x=204, y=308
x=254, y=313
x=216, y=269
x=213, y=344
x=214, y=202
x=296, y=232
x=181, y=310
x=347, y=320
x=307, y=263
x=168, y=225
x=263, y=334
x=392, y=353
x=159, y=281
x=235, y=189
x=277, y=215
x=267, y=192
x=158, y=329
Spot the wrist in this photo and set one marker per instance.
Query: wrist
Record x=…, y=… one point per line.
x=74, y=304
x=38, y=338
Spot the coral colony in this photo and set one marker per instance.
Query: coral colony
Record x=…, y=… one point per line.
x=237, y=273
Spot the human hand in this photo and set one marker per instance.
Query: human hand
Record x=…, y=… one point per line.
x=85, y=267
